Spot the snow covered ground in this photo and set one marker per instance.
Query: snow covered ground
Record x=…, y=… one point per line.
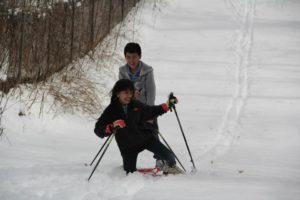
x=234, y=66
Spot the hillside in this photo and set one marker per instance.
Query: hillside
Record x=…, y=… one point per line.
x=235, y=68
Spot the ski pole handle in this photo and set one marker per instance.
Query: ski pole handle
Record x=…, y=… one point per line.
x=171, y=96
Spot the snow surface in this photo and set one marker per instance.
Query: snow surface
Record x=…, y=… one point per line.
x=235, y=68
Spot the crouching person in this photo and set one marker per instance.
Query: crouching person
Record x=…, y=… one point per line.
x=127, y=119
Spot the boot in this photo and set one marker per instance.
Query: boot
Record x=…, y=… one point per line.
x=172, y=170
x=160, y=164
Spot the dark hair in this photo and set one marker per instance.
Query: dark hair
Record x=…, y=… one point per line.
x=121, y=85
x=132, y=47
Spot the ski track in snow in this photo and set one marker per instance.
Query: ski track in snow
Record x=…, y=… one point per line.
x=228, y=129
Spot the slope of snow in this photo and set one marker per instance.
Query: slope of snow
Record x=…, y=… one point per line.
x=235, y=68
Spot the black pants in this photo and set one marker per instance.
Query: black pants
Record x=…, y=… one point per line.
x=155, y=146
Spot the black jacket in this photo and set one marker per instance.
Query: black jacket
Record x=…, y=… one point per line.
x=137, y=132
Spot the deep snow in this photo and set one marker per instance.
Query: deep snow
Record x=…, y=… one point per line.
x=235, y=68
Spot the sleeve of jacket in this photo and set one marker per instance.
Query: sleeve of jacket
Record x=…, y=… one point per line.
x=150, y=88
x=150, y=112
x=122, y=72
x=101, y=124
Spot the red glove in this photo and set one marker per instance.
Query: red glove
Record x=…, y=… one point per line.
x=170, y=103
x=109, y=129
x=119, y=124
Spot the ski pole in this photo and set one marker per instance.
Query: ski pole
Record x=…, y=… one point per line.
x=171, y=150
x=170, y=96
x=100, y=150
x=106, y=147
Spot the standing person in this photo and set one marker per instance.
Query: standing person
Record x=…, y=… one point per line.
x=142, y=76
x=139, y=73
x=127, y=119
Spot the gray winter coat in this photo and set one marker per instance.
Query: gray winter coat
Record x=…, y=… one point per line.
x=145, y=82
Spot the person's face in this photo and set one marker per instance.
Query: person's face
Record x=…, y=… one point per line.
x=125, y=96
x=132, y=59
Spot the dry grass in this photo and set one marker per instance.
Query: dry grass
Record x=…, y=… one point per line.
x=73, y=89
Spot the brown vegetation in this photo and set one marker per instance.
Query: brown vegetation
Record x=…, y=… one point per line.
x=39, y=38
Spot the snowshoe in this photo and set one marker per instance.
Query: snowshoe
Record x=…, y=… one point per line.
x=151, y=171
